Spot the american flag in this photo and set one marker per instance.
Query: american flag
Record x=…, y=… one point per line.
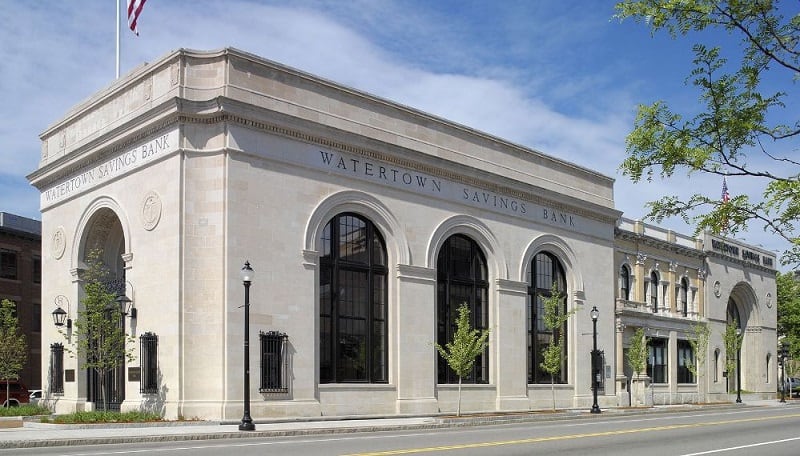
x=725, y=195
x=134, y=10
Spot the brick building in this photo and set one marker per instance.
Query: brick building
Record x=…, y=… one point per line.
x=20, y=282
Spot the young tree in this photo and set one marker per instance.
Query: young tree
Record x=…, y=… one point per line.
x=637, y=352
x=733, y=343
x=699, y=343
x=466, y=345
x=554, y=319
x=788, y=303
x=746, y=127
x=101, y=339
x=13, y=346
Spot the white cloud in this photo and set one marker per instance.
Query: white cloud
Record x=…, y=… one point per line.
x=540, y=76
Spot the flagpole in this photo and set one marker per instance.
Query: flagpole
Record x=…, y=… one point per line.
x=117, y=68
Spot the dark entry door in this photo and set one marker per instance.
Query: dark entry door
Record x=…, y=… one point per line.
x=114, y=388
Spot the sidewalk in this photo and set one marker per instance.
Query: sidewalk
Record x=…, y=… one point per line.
x=35, y=434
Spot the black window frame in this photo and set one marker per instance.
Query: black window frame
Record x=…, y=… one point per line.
x=355, y=357
x=625, y=282
x=657, y=360
x=9, y=264
x=148, y=352
x=685, y=352
x=461, y=278
x=57, y=368
x=36, y=270
x=545, y=270
x=684, y=297
x=274, y=362
x=654, y=291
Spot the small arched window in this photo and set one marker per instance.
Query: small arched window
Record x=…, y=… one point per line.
x=684, y=297
x=624, y=283
x=769, y=360
x=654, y=291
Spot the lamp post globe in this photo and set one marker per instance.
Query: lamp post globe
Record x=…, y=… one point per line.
x=247, y=278
x=594, y=313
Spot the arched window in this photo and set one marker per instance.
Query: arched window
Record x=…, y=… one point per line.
x=624, y=283
x=769, y=360
x=352, y=292
x=462, y=278
x=684, y=297
x=654, y=291
x=545, y=272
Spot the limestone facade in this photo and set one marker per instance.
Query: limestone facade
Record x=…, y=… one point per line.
x=366, y=223
x=672, y=285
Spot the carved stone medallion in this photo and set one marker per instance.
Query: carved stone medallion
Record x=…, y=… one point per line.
x=58, y=244
x=151, y=210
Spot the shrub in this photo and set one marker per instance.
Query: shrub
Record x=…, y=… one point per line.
x=99, y=416
x=24, y=410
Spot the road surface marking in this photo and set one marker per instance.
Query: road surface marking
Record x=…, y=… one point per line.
x=568, y=437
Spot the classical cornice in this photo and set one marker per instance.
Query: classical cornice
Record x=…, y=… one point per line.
x=658, y=243
x=222, y=110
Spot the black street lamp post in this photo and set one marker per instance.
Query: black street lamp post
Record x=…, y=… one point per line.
x=738, y=365
x=594, y=313
x=783, y=355
x=247, y=278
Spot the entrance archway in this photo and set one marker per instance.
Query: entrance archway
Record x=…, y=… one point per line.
x=742, y=310
x=103, y=238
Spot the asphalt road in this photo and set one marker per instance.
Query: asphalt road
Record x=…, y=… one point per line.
x=768, y=431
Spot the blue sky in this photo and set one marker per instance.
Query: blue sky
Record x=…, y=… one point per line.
x=559, y=76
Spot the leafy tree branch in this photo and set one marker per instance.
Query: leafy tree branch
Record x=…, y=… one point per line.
x=743, y=128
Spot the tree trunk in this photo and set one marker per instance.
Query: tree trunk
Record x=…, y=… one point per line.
x=8, y=395
x=458, y=410
x=553, y=390
x=101, y=377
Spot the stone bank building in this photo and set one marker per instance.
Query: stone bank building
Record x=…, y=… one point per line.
x=367, y=223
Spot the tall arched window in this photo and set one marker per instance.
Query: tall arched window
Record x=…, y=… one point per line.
x=684, y=297
x=654, y=291
x=462, y=278
x=624, y=283
x=352, y=292
x=545, y=272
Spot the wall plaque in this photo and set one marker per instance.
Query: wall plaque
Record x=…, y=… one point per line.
x=134, y=374
x=69, y=375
